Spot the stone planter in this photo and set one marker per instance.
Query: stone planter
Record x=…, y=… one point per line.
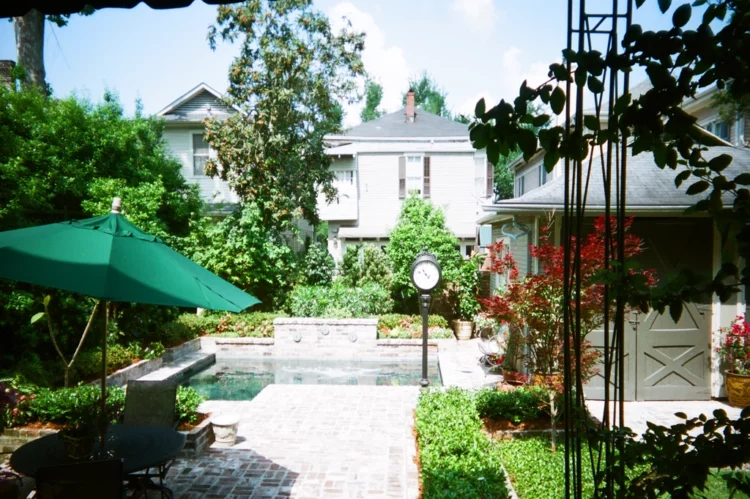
x=513, y=377
x=738, y=389
x=77, y=447
x=225, y=429
x=464, y=329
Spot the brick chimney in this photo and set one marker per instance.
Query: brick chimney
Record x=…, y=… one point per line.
x=410, y=114
x=5, y=69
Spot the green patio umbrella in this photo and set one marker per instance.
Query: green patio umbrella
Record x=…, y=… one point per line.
x=110, y=259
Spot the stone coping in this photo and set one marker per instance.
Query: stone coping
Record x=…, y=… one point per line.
x=241, y=341
x=177, y=369
x=319, y=321
x=397, y=342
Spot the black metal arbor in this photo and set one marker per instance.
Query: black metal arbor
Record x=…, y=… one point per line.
x=594, y=25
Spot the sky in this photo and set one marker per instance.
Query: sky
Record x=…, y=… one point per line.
x=472, y=48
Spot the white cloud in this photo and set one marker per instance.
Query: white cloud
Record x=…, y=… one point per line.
x=385, y=63
x=467, y=107
x=480, y=15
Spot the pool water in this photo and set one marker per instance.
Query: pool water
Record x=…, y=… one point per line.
x=244, y=378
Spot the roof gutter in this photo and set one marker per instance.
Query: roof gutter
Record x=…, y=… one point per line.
x=350, y=138
x=497, y=211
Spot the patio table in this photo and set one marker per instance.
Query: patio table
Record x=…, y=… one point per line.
x=139, y=447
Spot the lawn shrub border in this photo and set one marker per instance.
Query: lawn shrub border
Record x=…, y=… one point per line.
x=456, y=457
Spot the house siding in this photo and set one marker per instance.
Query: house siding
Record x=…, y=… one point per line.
x=451, y=188
x=202, y=104
x=213, y=190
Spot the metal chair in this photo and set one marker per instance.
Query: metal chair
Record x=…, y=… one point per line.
x=84, y=480
x=151, y=403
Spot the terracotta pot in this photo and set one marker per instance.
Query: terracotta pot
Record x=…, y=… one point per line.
x=738, y=389
x=464, y=329
x=513, y=377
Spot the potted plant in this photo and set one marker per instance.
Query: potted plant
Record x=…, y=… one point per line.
x=467, y=304
x=735, y=354
x=80, y=430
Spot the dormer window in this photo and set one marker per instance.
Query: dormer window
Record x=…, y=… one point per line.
x=719, y=128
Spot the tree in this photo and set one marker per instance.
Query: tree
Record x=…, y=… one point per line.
x=428, y=96
x=373, y=97
x=420, y=226
x=29, y=31
x=291, y=72
x=678, y=64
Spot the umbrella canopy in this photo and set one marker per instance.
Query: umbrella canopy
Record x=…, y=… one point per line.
x=109, y=258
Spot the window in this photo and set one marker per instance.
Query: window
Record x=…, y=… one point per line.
x=201, y=152
x=719, y=128
x=519, y=186
x=414, y=175
x=542, y=175
x=344, y=178
x=484, y=177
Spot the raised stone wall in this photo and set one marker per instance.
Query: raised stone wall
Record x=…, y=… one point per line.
x=305, y=333
x=198, y=439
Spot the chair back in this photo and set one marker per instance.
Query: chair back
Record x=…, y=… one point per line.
x=87, y=479
x=150, y=403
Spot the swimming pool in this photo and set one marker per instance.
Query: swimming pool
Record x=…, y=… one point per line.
x=243, y=378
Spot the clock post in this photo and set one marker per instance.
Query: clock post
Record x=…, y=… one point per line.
x=425, y=275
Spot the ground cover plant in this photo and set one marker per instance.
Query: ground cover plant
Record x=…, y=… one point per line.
x=456, y=458
x=536, y=472
x=517, y=405
x=410, y=326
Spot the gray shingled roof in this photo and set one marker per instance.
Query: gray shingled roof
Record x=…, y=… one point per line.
x=647, y=185
x=394, y=125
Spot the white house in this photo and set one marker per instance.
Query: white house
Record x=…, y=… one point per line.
x=184, y=134
x=664, y=360
x=379, y=162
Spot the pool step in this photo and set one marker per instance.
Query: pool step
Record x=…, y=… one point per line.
x=180, y=368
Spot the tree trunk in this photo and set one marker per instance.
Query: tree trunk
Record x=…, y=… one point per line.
x=30, y=47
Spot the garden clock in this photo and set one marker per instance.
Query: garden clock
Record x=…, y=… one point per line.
x=425, y=272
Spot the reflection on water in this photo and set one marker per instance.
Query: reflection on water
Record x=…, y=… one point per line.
x=243, y=378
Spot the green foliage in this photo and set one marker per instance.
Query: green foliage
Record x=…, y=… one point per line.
x=175, y=333
x=186, y=406
x=77, y=408
x=467, y=289
x=373, y=97
x=318, y=266
x=538, y=472
x=457, y=459
x=420, y=225
x=410, y=327
x=521, y=404
x=241, y=250
x=88, y=365
x=365, y=264
x=339, y=301
x=200, y=325
x=290, y=76
x=250, y=325
x=153, y=350
x=428, y=96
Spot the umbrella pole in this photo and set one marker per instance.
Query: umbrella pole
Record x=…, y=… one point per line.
x=103, y=415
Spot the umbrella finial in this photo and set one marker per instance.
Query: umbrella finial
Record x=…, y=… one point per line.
x=116, y=205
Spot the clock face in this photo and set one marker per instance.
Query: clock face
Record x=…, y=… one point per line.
x=426, y=275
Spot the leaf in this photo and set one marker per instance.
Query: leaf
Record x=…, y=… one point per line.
x=742, y=179
x=682, y=15
x=681, y=415
x=46, y=300
x=527, y=142
x=591, y=122
x=698, y=187
x=638, y=3
x=622, y=103
x=37, y=316
x=551, y=159
x=664, y=5
x=698, y=3
x=675, y=309
x=570, y=55
x=681, y=177
x=479, y=108
x=557, y=100
x=595, y=85
x=720, y=162
x=540, y=120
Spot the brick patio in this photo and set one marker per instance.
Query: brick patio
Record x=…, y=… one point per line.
x=310, y=441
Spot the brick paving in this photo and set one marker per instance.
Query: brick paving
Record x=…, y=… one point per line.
x=310, y=441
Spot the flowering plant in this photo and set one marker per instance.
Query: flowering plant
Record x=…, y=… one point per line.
x=8, y=400
x=735, y=346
